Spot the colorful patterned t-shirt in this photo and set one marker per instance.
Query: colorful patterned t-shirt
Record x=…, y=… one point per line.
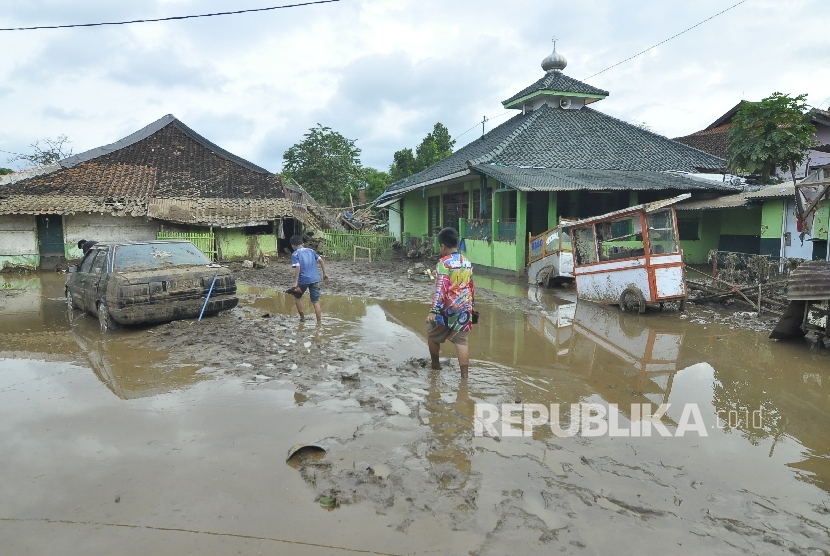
x=454, y=297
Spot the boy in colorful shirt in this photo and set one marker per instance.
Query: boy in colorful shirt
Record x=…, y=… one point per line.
x=450, y=316
x=306, y=275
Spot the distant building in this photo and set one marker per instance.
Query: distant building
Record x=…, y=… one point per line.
x=163, y=181
x=557, y=157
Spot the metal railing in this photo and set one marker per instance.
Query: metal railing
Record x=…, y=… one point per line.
x=204, y=241
x=341, y=245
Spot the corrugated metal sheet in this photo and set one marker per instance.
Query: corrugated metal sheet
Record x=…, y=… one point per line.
x=647, y=207
x=219, y=212
x=29, y=173
x=810, y=281
x=727, y=201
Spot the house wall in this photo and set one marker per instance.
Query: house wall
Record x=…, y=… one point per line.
x=18, y=242
x=105, y=227
x=234, y=245
x=395, y=220
x=697, y=251
x=415, y=213
x=772, y=219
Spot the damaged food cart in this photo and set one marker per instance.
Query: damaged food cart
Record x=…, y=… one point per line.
x=550, y=258
x=630, y=257
x=808, y=291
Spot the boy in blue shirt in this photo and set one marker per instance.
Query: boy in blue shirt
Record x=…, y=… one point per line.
x=306, y=275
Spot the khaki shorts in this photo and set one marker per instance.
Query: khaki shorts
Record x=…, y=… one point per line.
x=440, y=333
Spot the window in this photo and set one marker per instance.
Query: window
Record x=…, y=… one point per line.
x=100, y=264
x=433, y=215
x=621, y=238
x=661, y=238
x=86, y=265
x=149, y=256
x=689, y=229
x=585, y=249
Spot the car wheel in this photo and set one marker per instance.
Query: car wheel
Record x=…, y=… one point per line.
x=632, y=300
x=104, y=317
x=70, y=301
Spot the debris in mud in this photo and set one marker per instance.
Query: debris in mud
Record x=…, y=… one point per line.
x=420, y=273
x=301, y=451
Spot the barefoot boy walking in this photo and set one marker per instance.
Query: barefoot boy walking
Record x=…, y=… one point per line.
x=450, y=316
x=306, y=275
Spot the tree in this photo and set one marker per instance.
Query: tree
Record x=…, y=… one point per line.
x=326, y=164
x=376, y=182
x=46, y=151
x=773, y=132
x=403, y=164
x=436, y=146
x=4, y=171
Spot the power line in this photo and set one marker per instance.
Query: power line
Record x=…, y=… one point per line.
x=479, y=123
x=168, y=18
x=667, y=40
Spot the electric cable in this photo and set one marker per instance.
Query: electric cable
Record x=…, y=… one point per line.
x=172, y=18
x=667, y=40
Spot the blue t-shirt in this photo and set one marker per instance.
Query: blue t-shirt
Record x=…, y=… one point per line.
x=306, y=259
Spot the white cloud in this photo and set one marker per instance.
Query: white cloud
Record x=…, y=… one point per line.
x=384, y=72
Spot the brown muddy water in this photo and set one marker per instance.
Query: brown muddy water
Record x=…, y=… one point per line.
x=173, y=439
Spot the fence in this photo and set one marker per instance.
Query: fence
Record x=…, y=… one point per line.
x=340, y=245
x=477, y=229
x=204, y=241
x=506, y=230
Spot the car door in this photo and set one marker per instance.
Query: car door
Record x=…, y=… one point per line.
x=78, y=280
x=97, y=278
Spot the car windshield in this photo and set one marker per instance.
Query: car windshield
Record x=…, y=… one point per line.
x=148, y=256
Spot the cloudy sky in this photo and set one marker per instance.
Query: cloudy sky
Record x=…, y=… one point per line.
x=383, y=72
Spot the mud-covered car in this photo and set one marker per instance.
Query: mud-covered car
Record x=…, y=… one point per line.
x=145, y=282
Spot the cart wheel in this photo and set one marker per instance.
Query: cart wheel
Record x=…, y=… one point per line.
x=632, y=300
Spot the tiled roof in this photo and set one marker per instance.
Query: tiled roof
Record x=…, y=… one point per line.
x=572, y=179
x=557, y=81
x=163, y=160
x=714, y=141
x=567, y=139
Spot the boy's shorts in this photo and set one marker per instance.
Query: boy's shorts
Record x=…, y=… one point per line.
x=440, y=333
x=313, y=291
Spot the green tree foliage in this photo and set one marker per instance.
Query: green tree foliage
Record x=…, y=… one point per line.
x=376, y=182
x=773, y=132
x=435, y=146
x=45, y=151
x=4, y=171
x=403, y=164
x=326, y=164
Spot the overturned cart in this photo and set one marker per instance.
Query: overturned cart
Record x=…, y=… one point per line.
x=630, y=257
x=808, y=291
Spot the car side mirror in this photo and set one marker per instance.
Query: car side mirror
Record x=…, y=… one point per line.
x=72, y=268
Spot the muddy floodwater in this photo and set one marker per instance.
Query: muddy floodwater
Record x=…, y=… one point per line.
x=174, y=439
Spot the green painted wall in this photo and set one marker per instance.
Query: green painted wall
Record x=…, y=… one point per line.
x=697, y=252
x=415, y=214
x=521, y=230
x=28, y=262
x=479, y=251
x=553, y=209
x=505, y=256
x=772, y=217
x=741, y=221
x=820, y=224
x=235, y=245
